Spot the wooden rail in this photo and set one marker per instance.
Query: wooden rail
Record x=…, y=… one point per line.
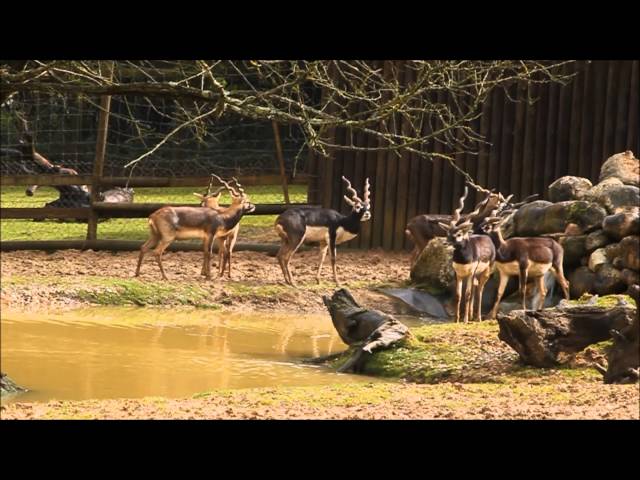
x=124, y=210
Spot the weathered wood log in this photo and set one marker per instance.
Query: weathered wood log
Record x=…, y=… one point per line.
x=540, y=337
x=366, y=331
x=623, y=359
x=8, y=386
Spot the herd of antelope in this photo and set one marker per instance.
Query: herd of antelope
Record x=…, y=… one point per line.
x=478, y=246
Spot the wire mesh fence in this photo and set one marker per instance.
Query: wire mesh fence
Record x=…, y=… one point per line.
x=63, y=132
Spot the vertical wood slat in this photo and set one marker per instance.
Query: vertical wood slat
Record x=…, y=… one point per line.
x=438, y=166
x=540, y=139
x=586, y=132
x=633, y=126
x=496, y=127
x=575, y=123
x=98, y=164
x=518, y=140
x=622, y=108
x=600, y=85
x=609, y=110
x=529, y=135
x=550, y=141
x=562, y=147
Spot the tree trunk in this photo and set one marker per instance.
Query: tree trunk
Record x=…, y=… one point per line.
x=540, y=337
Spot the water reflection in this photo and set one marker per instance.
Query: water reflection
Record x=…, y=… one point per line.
x=135, y=352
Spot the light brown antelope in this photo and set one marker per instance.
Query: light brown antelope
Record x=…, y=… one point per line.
x=237, y=198
x=473, y=257
x=328, y=227
x=524, y=257
x=170, y=223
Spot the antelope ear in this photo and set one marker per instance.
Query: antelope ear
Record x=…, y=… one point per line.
x=445, y=226
x=199, y=195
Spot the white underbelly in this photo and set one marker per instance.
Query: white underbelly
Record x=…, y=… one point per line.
x=321, y=234
x=343, y=235
x=511, y=269
x=187, y=233
x=317, y=234
x=464, y=270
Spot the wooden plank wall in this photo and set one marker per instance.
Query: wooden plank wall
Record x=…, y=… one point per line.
x=569, y=130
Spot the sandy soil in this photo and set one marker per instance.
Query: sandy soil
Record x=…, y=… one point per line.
x=369, y=401
x=357, y=270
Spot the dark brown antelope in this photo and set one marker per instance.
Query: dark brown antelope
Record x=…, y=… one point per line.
x=473, y=257
x=170, y=223
x=423, y=228
x=325, y=226
x=524, y=257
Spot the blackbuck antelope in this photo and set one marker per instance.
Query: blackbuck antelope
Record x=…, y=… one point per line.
x=524, y=257
x=237, y=198
x=328, y=227
x=473, y=258
x=423, y=228
x=170, y=223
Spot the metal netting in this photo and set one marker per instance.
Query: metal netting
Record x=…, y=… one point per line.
x=64, y=129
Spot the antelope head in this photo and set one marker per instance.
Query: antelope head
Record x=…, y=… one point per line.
x=210, y=199
x=458, y=233
x=361, y=207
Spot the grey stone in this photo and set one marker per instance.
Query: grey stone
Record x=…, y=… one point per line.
x=623, y=166
x=569, y=188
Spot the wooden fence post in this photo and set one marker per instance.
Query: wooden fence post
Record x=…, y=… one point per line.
x=98, y=164
x=283, y=175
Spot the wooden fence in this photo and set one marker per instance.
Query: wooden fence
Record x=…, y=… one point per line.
x=570, y=130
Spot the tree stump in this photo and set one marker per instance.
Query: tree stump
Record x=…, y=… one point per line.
x=540, y=337
x=366, y=331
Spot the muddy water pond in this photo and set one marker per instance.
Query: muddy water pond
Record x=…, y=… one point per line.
x=137, y=352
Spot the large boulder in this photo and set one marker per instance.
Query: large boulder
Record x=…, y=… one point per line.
x=569, y=188
x=623, y=166
x=619, y=225
x=432, y=270
x=614, y=195
x=597, y=258
x=574, y=248
x=609, y=280
x=630, y=252
x=581, y=280
x=630, y=277
x=540, y=217
x=595, y=240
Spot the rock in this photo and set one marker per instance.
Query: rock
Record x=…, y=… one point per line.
x=630, y=252
x=630, y=277
x=614, y=195
x=612, y=250
x=433, y=267
x=609, y=280
x=568, y=188
x=623, y=166
x=595, y=240
x=623, y=223
x=540, y=217
x=581, y=280
x=598, y=257
x=574, y=249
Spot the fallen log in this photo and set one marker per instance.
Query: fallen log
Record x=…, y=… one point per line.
x=365, y=331
x=541, y=337
x=623, y=358
x=8, y=386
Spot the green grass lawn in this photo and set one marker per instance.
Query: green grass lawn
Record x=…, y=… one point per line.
x=131, y=228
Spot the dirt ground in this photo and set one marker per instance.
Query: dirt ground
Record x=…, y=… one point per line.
x=368, y=401
x=34, y=279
